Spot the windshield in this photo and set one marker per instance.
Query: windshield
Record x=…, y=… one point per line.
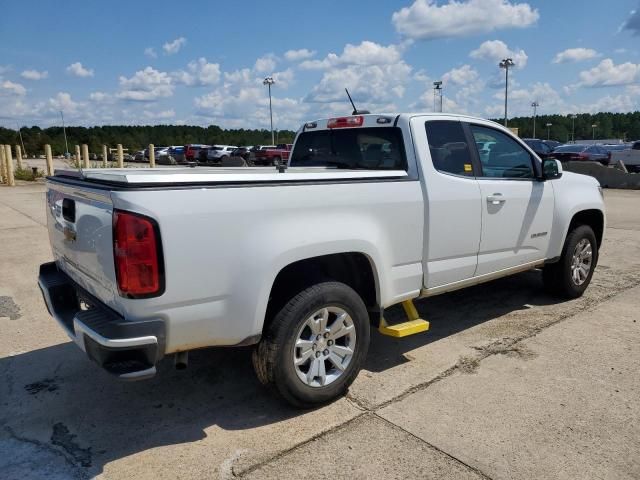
x=366, y=148
x=570, y=148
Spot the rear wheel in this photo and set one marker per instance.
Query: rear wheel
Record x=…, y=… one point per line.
x=571, y=275
x=315, y=346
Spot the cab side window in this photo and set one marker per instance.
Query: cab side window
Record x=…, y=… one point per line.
x=505, y=158
x=449, y=148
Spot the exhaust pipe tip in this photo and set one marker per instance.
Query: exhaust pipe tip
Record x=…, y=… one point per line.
x=182, y=360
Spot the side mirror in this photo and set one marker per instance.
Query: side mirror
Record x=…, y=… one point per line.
x=551, y=169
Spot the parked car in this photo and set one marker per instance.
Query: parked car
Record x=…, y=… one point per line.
x=396, y=208
x=242, y=152
x=138, y=156
x=577, y=152
x=176, y=152
x=630, y=157
x=542, y=149
x=191, y=151
x=552, y=143
x=271, y=156
x=218, y=152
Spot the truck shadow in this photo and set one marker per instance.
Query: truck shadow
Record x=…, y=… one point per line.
x=55, y=396
x=456, y=311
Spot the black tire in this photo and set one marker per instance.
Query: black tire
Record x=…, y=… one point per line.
x=557, y=277
x=273, y=356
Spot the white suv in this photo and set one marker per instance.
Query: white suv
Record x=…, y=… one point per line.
x=218, y=152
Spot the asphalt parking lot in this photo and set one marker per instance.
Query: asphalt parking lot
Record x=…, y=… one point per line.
x=508, y=383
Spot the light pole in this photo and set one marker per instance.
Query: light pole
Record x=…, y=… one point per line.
x=549, y=125
x=437, y=94
x=64, y=131
x=268, y=82
x=594, y=126
x=506, y=63
x=535, y=106
x=573, y=127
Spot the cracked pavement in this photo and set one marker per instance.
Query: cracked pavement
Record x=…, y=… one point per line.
x=508, y=383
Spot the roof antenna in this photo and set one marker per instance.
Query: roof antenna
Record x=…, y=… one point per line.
x=355, y=110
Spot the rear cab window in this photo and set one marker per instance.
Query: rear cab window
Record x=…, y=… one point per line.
x=449, y=147
x=377, y=148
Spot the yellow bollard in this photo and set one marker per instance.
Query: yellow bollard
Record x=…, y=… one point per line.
x=85, y=155
x=152, y=156
x=9, y=159
x=105, y=156
x=47, y=153
x=19, y=156
x=120, y=156
x=3, y=166
x=78, y=159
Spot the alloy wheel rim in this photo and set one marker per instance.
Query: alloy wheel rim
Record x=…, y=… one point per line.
x=581, y=262
x=324, y=346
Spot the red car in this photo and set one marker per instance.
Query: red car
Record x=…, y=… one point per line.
x=192, y=150
x=577, y=152
x=270, y=156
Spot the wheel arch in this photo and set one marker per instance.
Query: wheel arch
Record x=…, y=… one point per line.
x=593, y=218
x=355, y=269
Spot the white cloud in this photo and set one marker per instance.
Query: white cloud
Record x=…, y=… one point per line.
x=78, y=70
x=199, y=73
x=496, y=50
x=365, y=54
x=171, y=48
x=150, y=52
x=607, y=74
x=99, y=97
x=575, y=55
x=63, y=101
x=608, y=103
x=373, y=73
x=235, y=105
x=162, y=115
x=146, y=85
x=425, y=19
x=283, y=79
x=265, y=64
x=11, y=88
x=421, y=76
x=542, y=92
x=460, y=76
x=34, y=74
x=298, y=55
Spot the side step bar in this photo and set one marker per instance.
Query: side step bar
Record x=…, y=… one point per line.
x=414, y=325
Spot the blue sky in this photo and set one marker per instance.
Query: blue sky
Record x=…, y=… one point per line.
x=203, y=62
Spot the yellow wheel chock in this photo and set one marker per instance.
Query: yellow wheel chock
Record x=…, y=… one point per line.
x=414, y=325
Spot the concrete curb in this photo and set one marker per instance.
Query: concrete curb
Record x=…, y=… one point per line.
x=608, y=177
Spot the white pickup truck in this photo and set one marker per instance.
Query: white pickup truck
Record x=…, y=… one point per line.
x=372, y=211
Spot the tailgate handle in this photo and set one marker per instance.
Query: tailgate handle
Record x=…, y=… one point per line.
x=69, y=209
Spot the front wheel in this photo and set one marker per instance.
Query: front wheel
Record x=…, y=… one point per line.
x=571, y=275
x=315, y=346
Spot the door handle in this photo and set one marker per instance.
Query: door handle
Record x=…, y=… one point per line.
x=495, y=199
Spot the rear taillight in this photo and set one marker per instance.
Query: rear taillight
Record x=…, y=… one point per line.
x=345, y=122
x=136, y=251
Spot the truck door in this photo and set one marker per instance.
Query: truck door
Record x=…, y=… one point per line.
x=452, y=201
x=517, y=208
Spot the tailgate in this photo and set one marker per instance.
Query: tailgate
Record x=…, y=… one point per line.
x=79, y=220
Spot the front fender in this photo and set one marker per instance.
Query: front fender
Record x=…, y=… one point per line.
x=574, y=193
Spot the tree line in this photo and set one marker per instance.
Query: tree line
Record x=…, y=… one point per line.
x=625, y=126
x=609, y=125
x=135, y=137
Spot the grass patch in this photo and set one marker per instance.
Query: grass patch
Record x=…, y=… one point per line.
x=27, y=174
